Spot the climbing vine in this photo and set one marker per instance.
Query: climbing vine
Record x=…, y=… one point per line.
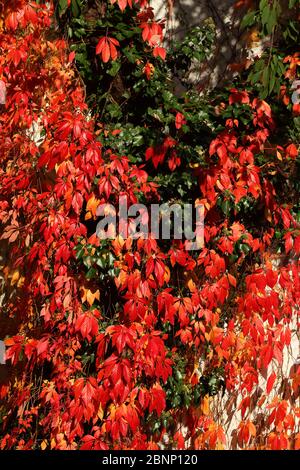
x=125, y=343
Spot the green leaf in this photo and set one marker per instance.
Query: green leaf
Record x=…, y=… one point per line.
x=255, y=77
x=226, y=206
x=272, y=82
x=263, y=4
x=79, y=252
x=249, y=19
x=271, y=20
x=75, y=7
x=91, y=273
x=114, y=69
x=266, y=77
x=245, y=248
x=62, y=7
x=265, y=13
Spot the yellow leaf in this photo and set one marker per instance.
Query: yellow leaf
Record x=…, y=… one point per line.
x=21, y=281
x=15, y=277
x=89, y=296
x=219, y=185
x=207, y=336
x=194, y=165
x=83, y=294
x=205, y=405
x=44, y=444
x=100, y=413
x=219, y=446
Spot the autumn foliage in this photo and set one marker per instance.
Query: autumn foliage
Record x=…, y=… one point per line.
x=123, y=344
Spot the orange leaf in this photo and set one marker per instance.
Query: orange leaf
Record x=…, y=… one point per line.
x=91, y=207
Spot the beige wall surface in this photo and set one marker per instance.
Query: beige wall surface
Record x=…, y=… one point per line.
x=183, y=15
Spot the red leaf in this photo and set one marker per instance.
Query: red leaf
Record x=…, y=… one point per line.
x=157, y=399
x=107, y=48
x=292, y=151
x=122, y=3
x=15, y=346
x=121, y=336
x=88, y=442
x=180, y=440
x=159, y=271
x=160, y=52
x=238, y=97
x=42, y=346
x=232, y=280
x=113, y=51
x=270, y=382
x=87, y=325
x=12, y=21
x=179, y=120
x=71, y=56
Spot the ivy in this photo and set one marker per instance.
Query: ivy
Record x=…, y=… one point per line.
x=117, y=343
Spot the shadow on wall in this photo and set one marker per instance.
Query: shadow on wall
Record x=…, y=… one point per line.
x=183, y=15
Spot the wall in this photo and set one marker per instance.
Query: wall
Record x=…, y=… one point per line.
x=186, y=14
